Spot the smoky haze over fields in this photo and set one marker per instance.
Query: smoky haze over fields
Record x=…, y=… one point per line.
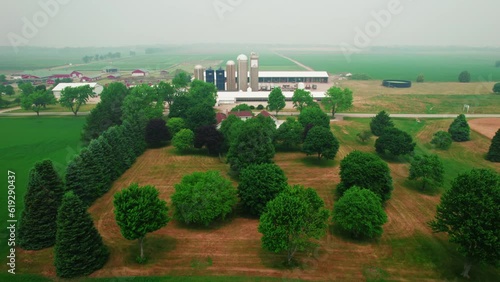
x=71, y=23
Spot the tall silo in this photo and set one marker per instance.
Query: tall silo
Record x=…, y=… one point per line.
x=210, y=76
x=198, y=72
x=220, y=79
x=254, y=72
x=231, y=76
x=242, y=72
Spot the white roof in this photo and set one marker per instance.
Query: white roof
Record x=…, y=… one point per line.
x=61, y=86
x=277, y=74
x=229, y=96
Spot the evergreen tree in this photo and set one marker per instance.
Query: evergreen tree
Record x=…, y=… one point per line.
x=380, y=122
x=37, y=229
x=79, y=248
x=459, y=129
x=494, y=151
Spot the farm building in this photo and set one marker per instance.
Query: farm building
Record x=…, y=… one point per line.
x=293, y=76
x=76, y=74
x=114, y=76
x=261, y=96
x=57, y=90
x=90, y=78
x=59, y=76
x=140, y=73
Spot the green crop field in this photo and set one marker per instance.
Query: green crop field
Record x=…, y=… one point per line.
x=436, y=67
x=28, y=140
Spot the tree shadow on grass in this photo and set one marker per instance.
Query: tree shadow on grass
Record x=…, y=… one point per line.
x=417, y=187
x=315, y=162
x=336, y=231
x=156, y=247
x=435, y=253
x=216, y=224
x=390, y=158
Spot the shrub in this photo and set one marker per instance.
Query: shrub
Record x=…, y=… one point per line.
x=496, y=88
x=420, y=78
x=201, y=198
x=183, y=140
x=260, y=107
x=464, y=77
x=442, y=140
x=359, y=213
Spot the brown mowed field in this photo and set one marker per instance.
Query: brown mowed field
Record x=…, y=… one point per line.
x=234, y=245
x=485, y=126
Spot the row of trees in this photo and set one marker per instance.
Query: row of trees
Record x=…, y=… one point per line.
x=87, y=59
x=51, y=217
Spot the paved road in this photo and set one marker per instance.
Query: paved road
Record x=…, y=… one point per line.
x=339, y=116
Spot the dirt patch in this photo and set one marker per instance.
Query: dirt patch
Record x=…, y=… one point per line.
x=485, y=126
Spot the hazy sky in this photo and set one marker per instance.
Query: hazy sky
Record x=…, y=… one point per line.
x=82, y=23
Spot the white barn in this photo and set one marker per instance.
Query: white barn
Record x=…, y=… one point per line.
x=57, y=90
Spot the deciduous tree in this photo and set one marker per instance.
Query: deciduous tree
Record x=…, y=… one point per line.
x=314, y=116
x=260, y=184
x=367, y=171
x=37, y=100
x=183, y=140
x=429, y=169
x=464, y=77
x=201, y=198
x=37, y=229
x=291, y=220
x=175, y=125
x=322, y=142
x=442, y=140
x=470, y=212
x=252, y=145
x=496, y=88
x=209, y=137
x=302, y=98
x=395, y=141
x=289, y=134
x=337, y=99
x=74, y=97
x=276, y=100
x=359, y=213
x=79, y=248
x=139, y=211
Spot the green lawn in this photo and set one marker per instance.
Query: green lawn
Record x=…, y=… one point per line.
x=57, y=109
x=436, y=67
x=28, y=140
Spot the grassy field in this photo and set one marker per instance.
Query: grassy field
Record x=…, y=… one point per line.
x=408, y=250
x=427, y=104
x=436, y=66
x=28, y=140
x=57, y=109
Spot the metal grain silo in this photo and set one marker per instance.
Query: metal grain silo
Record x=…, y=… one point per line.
x=220, y=79
x=210, y=76
x=231, y=76
x=254, y=72
x=242, y=72
x=198, y=72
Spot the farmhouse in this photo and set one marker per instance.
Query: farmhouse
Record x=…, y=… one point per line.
x=76, y=74
x=140, y=73
x=57, y=90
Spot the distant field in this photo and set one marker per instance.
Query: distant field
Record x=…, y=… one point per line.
x=28, y=140
x=435, y=67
